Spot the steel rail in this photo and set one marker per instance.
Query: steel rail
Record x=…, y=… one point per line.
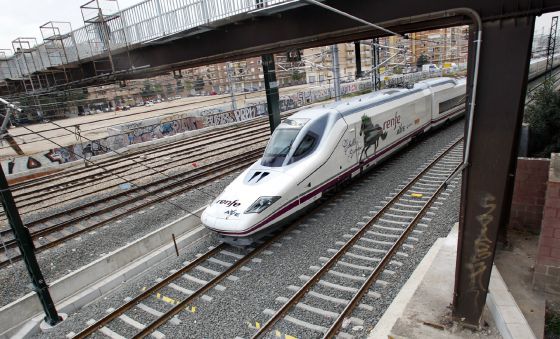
x=96, y=175
x=334, y=259
x=116, y=216
x=179, y=307
x=147, y=293
x=164, y=151
x=193, y=156
x=185, y=158
x=335, y=327
x=200, y=173
x=555, y=79
x=203, y=136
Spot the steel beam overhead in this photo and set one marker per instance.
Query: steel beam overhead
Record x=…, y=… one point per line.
x=249, y=32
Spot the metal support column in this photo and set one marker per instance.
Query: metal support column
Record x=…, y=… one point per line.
x=272, y=94
x=27, y=249
x=335, y=71
x=231, y=85
x=551, y=46
x=357, y=51
x=486, y=191
x=375, y=77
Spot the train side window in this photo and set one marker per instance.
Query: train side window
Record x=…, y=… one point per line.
x=306, y=147
x=451, y=103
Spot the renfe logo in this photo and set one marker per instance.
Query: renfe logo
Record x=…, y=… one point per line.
x=228, y=203
x=393, y=122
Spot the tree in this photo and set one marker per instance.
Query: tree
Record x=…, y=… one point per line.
x=179, y=86
x=422, y=60
x=158, y=88
x=543, y=116
x=148, y=89
x=199, y=84
x=297, y=75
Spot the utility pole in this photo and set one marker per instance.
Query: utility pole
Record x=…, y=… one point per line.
x=357, y=51
x=27, y=249
x=230, y=81
x=336, y=71
x=551, y=47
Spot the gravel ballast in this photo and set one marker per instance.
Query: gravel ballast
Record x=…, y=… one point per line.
x=236, y=310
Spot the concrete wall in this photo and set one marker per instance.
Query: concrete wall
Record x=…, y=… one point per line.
x=123, y=136
x=529, y=194
x=547, y=268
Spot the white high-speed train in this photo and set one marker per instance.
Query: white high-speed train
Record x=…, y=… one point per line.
x=317, y=149
x=537, y=67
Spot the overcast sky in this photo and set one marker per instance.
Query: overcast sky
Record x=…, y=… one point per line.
x=22, y=18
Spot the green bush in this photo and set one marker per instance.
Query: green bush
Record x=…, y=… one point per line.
x=543, y=116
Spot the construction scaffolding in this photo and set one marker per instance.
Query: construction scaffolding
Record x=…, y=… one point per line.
x=6, y=71
x=29, y=62
x=104, y=33
x=60, y=48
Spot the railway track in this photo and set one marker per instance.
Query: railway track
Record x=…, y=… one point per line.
x=50, y=230
x=144, y=314
x=116, y=176
x=78, y=218
x=70, y=187
x=185, y=286
x=351, y=277
x=47, y=232
x=30, y=187
x=79, y=179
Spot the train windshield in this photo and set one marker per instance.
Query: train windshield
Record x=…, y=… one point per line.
x=281, y=142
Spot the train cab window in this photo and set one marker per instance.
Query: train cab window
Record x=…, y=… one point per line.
x=306, y=146
x=281, y=141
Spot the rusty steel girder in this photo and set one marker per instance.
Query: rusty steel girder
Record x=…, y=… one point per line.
x=487, y=181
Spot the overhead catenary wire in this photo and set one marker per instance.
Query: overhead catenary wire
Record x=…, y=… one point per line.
x=350, y=16
x=156, y=109
x=139, y=85
x=116, y=117
x=78, y=135
x=13, y=98
x=120, y=177
x=317, y=82
x=111, y=118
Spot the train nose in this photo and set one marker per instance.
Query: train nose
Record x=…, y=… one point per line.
x=227, y=213
x=246, y=202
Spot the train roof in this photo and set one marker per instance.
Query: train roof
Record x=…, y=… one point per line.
x=370, y=100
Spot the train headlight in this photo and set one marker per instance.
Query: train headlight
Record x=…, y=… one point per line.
x=261, y=204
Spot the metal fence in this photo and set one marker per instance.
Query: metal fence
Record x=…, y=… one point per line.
x=141, y=23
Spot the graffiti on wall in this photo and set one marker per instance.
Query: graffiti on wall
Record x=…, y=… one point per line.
x=122, y=136
x=119, y=137
x=237, y=115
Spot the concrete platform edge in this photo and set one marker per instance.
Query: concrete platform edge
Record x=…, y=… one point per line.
x=506, y=313
x=385, y=324
x=73, y=291
x=510, y=321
